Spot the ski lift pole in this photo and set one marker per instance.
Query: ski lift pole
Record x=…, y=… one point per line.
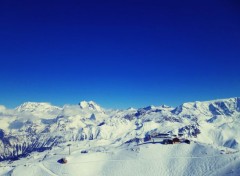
x=69, y=149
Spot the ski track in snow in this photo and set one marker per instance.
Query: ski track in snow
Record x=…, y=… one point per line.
x=46, y=169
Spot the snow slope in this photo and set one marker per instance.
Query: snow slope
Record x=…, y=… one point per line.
x=120, y=141
x=143, y=160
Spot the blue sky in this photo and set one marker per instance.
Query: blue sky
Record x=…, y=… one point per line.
x=119, y=54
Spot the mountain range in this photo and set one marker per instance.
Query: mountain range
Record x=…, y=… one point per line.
x=38, y=127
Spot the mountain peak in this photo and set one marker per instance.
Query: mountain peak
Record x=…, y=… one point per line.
x=151, y=107
x=2, y=108
x=90, y=105
x=165, y=106
x=131, y=109
x=35, y=106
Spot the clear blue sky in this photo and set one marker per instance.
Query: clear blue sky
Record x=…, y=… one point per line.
x=119, y=53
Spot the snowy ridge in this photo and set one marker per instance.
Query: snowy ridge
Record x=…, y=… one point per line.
x=218, y=107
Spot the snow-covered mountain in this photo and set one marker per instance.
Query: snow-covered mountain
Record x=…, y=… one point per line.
x=226, y=107
x=34, y=107
x=90, y=106
x=38, y=110
x=41, y=126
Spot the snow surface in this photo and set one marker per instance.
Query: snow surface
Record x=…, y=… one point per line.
x=34, y=136
x=143, y=160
